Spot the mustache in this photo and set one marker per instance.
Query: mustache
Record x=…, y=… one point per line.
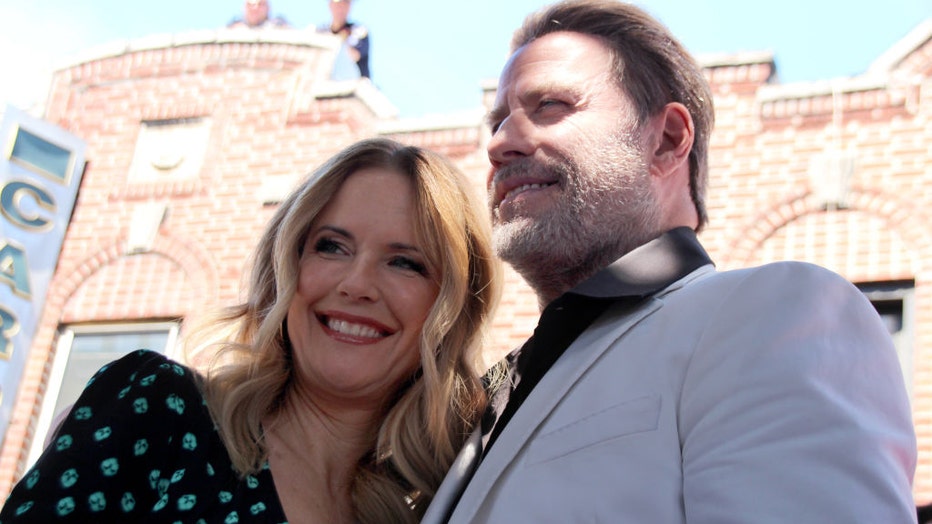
x=552, y=170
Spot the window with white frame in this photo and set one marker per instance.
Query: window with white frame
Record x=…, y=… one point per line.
x=894, y=303
x=84, y=349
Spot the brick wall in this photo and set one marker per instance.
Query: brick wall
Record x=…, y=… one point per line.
x=772, y=149
x=273, y=115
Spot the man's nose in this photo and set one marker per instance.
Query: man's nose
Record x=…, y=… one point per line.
x=513, y=139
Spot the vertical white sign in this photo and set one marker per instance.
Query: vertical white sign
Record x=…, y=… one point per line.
x=40, y=171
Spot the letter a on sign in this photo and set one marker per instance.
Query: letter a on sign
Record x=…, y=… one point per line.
x=14, y=271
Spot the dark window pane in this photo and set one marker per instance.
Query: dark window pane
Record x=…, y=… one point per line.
x=891, y=312
x=41, y=154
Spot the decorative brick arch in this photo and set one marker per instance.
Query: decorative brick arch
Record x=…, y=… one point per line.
x=899, y=215
x=196, y=263
x=197, y=267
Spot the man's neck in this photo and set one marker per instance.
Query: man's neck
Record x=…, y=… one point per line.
x=550, y=282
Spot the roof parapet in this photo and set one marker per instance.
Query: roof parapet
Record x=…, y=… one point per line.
x=199, y=37
x=898, y=52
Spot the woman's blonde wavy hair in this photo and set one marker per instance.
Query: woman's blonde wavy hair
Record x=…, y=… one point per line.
x=434, y=412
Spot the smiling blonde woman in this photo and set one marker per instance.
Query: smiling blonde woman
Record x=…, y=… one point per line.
x=346, y=384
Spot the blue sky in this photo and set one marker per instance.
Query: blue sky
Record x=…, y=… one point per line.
x=431, y=56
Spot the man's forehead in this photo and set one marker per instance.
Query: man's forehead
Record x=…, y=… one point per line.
x=576, y=56
x=564, y=40
x=559, y=49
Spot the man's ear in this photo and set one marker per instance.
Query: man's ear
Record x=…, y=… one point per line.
x=673, y=139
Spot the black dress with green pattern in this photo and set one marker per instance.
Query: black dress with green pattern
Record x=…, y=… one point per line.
x=140, y=446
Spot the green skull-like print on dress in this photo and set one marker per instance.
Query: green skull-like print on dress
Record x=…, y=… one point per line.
x=140, y=446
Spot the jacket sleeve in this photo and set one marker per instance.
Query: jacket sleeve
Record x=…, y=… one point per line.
x=794, y=407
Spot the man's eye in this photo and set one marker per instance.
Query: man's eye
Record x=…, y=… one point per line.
x=409, y=265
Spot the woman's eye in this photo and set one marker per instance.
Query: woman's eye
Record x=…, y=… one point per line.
x=409, y=265
x=327, y=245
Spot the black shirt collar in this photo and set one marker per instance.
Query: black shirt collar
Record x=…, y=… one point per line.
x=648, y=268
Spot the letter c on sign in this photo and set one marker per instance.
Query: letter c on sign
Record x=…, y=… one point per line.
x=11, y=204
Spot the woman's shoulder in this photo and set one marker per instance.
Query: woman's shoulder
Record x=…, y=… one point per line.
x=142, y=366
x=140, y=360
x=136, y=380
x=139, y=440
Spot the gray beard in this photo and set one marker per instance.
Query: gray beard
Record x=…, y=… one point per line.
x=606, y=209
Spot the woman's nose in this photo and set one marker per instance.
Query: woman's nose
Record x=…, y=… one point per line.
x=359, y=282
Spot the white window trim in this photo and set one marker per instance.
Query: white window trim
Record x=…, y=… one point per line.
x=60, y=362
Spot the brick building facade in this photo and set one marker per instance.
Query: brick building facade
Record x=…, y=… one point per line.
x=192, y=139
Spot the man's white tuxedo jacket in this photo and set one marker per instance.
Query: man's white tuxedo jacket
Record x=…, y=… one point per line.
x=764, y=395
